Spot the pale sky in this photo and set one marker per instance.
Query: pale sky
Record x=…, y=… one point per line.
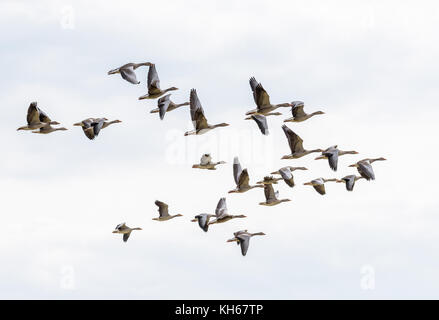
x=370, y=66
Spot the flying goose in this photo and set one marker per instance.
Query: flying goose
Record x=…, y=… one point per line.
x=198, y=119
x=298, y=114
x=92, y=126
x=243, y=238
x=271, y=196
x=47, y=128
x=206, y=163
x=166, y=105
x=36, y=118
x=154, y=90
x=125, y=230
x=203, y=220
x=241, y=178
x=222, y=214
x=319, y=184
x=296, y=145
x=163, y=212
x=365, y=169
x=287, y=174
x=332, y=154
x=127, y=71
x=350, y=181
x=262, y=100
x=261, y=121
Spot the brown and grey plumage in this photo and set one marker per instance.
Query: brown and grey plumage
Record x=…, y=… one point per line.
x=165, y=104
x=271, y=197
x=262, y=100
x=125, y=230
x=365, y=169
x=36, y=118
x=296, y=145
x=163, y=212
x=221, y=213
x=332, y=153
x=198, y=119
x=206, y=163
x=350, y=181
x=261, y=121
x=242, y=179
x=127, y=71
x=299, y=114
x=47, y=128
x=203, y=220
x=319, y=184
x=269, y=180
x=154, y=90
x=243, y=239
x=92, y=126
x=287, y=174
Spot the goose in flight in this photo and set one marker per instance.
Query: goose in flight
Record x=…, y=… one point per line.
x=319, y=184
x=206, y=163
x=298, y=114
x=221, y=213
x=154, y=90
x=163, y=212
x=262, y=100
x=166, y=105
x=48, y=129
x=261, y=121
x=271, y=197
x=127, y=71
x=365, y=169
x=332, y=154
x=350, y=181
x=296, y=145
x=92, y=126
x=36, y=118
x=287, y=174
x=243, y=238
x=203, y=220
x=241, y=178
x=198, y=119
x=125, y=230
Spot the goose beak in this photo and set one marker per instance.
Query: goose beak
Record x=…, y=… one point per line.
x=194, y=220
x=352, y=165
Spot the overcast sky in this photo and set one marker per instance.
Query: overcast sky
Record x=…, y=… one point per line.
x=370, y=66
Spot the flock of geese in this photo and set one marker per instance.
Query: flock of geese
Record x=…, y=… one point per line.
x=39, y=122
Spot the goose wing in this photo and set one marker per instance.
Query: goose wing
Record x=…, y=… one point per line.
x=253, y=85
x=153, y=79
x=128, y=74
x=221, y=208
x=350, y=182
x=126, y=236
x=261, y=121
x=295, y=142
x=297, y=109
x=97, y=125
x=205, y=159
x=244, y=241
x=163, y=208
x=197, y=112
x=287, y=175
x=269, y=192
x=163, y=104
x=237, y=170
x=332, y=155
x=33, y=115
x=243, y=179
x=366, y=171
x=319, y=186
x=203, y=221
x=262, y=97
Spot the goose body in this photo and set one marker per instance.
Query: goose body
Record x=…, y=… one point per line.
x=349, y=181
x=271, y=197
x=296, y=145
x=262, y=101
x=154, y=90
x=332, y=154
x=243, y=239
x=242, y=179
x=287, y=174
x=125, y=230
x=365, y=169
x=198, y=119
x=221, y=213
x=127, y=71
x=36, y=118
x=206, y=163
x=165, y=104
x=163, y=212
x=299, y=114
x=319, y=184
